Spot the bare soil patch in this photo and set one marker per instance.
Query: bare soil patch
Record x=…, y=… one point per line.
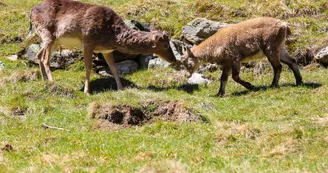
x=114, y=117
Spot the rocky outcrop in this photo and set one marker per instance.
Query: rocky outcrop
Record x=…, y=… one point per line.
x=124, y=67
x=59, y=59
x=322, y=56
x=200, y=29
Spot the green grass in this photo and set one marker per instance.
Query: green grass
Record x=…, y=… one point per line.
x=272, y=130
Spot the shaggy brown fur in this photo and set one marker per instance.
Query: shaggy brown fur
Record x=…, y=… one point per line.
x=242, y=42
x=94, y=29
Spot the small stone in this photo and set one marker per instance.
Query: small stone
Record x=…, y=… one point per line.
x=2, y=66
x=13, y=57
x=197, y=78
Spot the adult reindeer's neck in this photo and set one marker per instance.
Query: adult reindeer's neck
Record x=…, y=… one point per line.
x=133, y=41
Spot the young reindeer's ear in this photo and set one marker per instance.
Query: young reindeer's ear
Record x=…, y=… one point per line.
x=165, y=35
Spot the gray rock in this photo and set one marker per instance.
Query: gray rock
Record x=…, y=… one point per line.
x=63, y=59
x=137, y=25
x=31, y=51
x=176, y=46
x=127, y=67
x=200, y=29
x=2, y=66
x=322, y=56
x=59, y=59
x=158, y=62
x=144, y=60
x=124, y=67
x=197, y=78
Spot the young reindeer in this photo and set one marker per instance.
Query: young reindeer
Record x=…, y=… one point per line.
x=242, y=42
x=94, y=29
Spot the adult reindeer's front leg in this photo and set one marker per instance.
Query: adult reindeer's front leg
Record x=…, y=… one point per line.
x=88, y=65
x=111, y=63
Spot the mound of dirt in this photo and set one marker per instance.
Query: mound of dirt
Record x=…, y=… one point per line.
x=125, y=115
x=112, y=117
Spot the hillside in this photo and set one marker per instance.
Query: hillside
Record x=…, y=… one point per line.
x=46, y=126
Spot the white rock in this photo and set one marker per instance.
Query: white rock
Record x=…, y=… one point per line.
x=197, y=78
x=322, y=55
x=13, y=57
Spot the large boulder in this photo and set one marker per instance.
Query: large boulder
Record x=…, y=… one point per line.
x=59, y=59
x=124, y=67
x=200, y=29
x=322, y=56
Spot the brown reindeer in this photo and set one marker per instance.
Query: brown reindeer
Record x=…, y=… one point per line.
x=242, y=42
x=94, y=29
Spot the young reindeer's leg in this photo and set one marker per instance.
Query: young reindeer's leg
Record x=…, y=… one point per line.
x=224, y=80
x=87, y=53
x=274, y=59
x=235, y=76
x=291, y=62
x=111, y=63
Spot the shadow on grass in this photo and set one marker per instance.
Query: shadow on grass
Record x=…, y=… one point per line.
x=310, y=85
x=188, y=88
x=105, y=84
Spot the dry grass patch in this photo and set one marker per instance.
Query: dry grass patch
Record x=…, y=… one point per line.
x=23, y=76
x=68, y=161
x=165, y=166
x=55, y=89
x=321, y=121
x=112, y=117
x=233, y=131
x=283, y=149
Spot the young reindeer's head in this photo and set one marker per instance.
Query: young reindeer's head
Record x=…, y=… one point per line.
x=161, y=46
x=190, y=62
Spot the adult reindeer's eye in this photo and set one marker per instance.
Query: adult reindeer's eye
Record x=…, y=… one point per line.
x=166, y=46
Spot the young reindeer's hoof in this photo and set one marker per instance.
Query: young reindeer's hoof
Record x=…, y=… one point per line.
x=299, y=83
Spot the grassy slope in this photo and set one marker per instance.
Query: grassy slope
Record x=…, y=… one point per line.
x=272, y=130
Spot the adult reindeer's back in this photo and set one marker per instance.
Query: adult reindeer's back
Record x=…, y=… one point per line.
x=94, y=29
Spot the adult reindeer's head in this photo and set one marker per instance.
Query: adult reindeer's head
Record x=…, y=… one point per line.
x=161, y=46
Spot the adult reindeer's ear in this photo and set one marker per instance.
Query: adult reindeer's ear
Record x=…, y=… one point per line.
x=165, y=35
x=155, y=38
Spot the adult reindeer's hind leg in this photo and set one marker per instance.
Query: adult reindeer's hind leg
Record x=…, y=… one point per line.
x=111, y=63
x=40, y=56
x=48, y=48
x=45, y=53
